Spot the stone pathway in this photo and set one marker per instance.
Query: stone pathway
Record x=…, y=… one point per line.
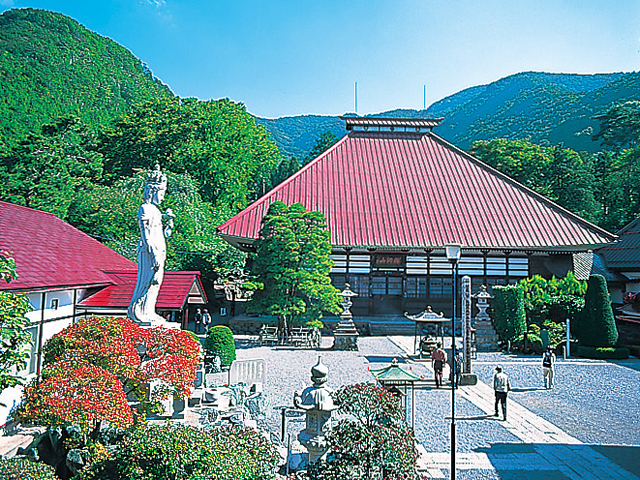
x=546, y=451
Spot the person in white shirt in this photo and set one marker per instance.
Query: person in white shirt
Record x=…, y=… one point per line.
x=501, y=386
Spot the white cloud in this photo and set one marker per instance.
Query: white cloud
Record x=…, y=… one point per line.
x=156, y=3
x=7, y=3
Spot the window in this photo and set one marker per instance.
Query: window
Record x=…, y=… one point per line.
x=54, y=303
x=440, y=287
x=416, y=287
x=360, y=285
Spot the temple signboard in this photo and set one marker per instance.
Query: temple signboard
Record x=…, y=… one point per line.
x=388, y=260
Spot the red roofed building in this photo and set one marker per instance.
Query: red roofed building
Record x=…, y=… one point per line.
x=66, y=274
x=394, y=193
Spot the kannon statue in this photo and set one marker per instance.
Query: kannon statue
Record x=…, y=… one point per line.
x=152, y=250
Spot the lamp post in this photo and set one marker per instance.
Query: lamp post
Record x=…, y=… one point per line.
x=453, y=251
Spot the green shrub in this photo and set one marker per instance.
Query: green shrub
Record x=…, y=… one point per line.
x=373, y=441
x=552, y=300
x=219, y=342
x=23, y=469
x=315, y=324
x=616, y=353
x=159, y=452
x=595, y=325
x=509, y=317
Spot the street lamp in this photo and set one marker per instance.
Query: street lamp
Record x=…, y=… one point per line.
x=453, y=251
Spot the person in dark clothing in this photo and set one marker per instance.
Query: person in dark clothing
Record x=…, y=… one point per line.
x=456, y=368
x=198, y=319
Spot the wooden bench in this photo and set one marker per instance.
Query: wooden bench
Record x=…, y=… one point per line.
x=268, y=335
x=299, y=336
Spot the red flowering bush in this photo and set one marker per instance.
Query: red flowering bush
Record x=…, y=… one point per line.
x=371, y=441
x=76, y=393
x=90, y=368
x=135, y=354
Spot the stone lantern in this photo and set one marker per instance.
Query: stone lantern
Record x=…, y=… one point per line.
x=316, y=401
x=486, y=338
x=345, y=336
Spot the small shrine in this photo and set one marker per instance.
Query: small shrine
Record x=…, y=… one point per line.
x=397, y=381
x=429, y=326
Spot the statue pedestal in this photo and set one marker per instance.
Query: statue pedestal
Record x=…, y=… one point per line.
x=345, y=336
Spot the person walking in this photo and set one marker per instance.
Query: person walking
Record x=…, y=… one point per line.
x=501, y=387
x=548, y=362
x=206, y=320
x=438, y=359
x=456, y=367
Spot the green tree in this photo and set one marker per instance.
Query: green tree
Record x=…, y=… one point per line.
x=287, y=167
x=558, y=173
x=216, y=141
x=596, y=325
x=45, y=170
x=14, y=336
x=571, y=181
x=109, y=214
x=620, y=126
x=219, y=342
x=372, y=441
x=291, y=266
x=323, y=143
x=521, y=160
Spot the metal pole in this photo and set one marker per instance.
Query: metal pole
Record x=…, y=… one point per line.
x=453, y=371
x=568, y=349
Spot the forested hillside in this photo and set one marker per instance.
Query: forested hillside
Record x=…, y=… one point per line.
x=82, y=119
x=51, y=67
x=545, y=108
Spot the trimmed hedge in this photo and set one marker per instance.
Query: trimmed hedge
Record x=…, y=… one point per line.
x=614, y=353
x=596, y=325
x=509, y=316
x=219, y=342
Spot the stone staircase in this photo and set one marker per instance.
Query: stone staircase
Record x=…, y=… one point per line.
x=486, y=337
x=386, y=326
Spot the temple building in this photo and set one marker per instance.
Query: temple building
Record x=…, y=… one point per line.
x=394, y=193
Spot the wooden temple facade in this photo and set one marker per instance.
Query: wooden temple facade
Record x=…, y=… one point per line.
x=394, y=193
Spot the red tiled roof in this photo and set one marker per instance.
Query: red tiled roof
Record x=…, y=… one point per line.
x=50, y=253
x=173, y=295
x=404, y=190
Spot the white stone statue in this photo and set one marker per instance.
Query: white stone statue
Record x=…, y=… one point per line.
x=152, y=250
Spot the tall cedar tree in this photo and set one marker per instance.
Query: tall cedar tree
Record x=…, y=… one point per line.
x=596, y=325
x=291, y=266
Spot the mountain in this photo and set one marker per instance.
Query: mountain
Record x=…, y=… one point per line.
x=546, y=108
x=51, y=66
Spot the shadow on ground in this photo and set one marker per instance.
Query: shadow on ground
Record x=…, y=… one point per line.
x=519, y=461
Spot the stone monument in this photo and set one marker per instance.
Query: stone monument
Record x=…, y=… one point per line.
x=152, y=250
x=345, y=335
x=317, y=403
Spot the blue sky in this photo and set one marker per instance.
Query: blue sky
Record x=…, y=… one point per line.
x=284, y=58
